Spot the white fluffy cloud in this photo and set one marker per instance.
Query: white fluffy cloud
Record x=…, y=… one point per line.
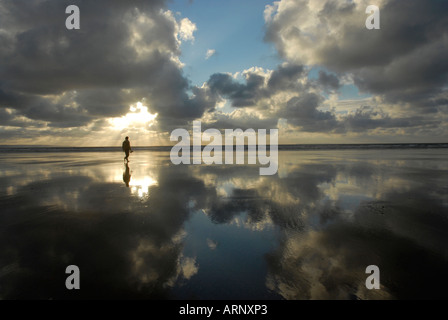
x=210, y=53
x=187, y=29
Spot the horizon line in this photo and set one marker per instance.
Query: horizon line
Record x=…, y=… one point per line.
x=191, y=145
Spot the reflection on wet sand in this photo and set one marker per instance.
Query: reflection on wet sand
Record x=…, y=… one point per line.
x=154, y=230
x=127, y=174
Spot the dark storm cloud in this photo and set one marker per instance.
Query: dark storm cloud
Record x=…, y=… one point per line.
x=57, y=116
x=285, y=77
x=106, y=102
x=5, y=116
x=256, y=86
x=14, y=100
x=124, y=52
x=241, y=95
x=328, y=80
x=47, y=58
x=405, y=61
x=302, y=112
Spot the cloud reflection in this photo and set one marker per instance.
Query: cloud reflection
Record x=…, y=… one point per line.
x=308, y=233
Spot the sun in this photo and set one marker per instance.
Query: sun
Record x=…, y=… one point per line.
x=137, y=117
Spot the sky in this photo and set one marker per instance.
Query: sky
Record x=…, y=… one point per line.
x=310, y=69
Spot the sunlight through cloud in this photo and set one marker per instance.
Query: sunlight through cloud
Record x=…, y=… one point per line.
x=139, y=117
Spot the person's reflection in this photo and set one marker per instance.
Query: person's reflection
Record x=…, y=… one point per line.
x=127, y=175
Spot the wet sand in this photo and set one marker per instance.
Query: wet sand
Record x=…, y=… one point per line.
x=154, y=230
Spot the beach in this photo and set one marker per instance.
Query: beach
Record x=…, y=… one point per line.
x=154, y=230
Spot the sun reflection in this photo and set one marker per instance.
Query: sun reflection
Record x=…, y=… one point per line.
x=138, y=181
x=139, y=116
x=140, y=186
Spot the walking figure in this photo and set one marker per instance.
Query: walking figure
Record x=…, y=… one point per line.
x=126, y=148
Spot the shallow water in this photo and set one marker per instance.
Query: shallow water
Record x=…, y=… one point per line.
x=224, y=231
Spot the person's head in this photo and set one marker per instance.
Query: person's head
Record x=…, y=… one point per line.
x=127, y=138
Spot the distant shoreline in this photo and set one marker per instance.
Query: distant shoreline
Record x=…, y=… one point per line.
x=283, y=147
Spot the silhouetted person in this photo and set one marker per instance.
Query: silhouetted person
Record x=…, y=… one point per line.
x=127, y=175
x=126, y=148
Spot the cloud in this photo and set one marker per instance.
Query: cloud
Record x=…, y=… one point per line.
x=186, y=29
x=403, y=62
x=239, y=119
x=329, y=81
x=258, y=84
x=302, y=112
x=286, y=76
x=51, y=77
x=210, y=53
x=242, y=95
x=70, y=78
x=265, y=97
